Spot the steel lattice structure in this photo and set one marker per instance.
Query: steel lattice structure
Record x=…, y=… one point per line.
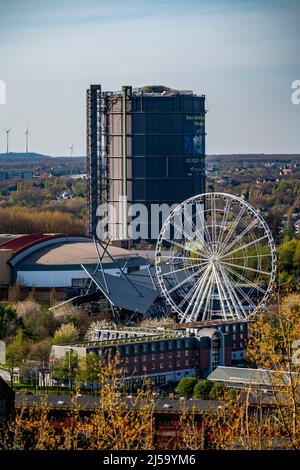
x=215, y=259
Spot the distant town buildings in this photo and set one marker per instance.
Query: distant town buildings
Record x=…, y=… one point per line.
x=16, y=175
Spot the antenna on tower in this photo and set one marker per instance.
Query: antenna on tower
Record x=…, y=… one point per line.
x=27, y=134
x=7, y=139
x=71, y=150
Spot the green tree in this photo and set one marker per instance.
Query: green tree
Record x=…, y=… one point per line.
x=15, y=354
x=66, y=368
x=9, y=322
x=186, y=386
x=88, y=371
x=202, y=389
x=216, y=391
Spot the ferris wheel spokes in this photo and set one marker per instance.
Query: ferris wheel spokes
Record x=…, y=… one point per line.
x=223, y=266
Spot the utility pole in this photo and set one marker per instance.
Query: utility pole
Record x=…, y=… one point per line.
x=70, y=349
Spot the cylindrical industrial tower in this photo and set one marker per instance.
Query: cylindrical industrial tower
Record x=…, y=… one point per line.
x=154, y=154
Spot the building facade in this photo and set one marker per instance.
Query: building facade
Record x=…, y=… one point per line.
x=165, y=356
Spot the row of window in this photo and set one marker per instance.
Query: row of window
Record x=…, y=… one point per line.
x=145, y=357
x=146, y=369
x=234, y=328
x=157, y=346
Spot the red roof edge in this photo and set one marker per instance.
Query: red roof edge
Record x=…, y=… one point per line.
x=19, y=244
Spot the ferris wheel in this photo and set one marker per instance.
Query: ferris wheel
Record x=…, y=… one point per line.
x=215, y=259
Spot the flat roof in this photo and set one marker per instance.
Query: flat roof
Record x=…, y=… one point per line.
x=245, y=375
x=86, y=402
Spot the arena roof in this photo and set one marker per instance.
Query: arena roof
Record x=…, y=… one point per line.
x=44, y=250
x=73, y=253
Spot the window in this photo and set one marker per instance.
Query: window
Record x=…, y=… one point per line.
x=233, y=336
x=126, y=360
x=136, y=348
x=170, y=345
x=178, y=354
x=162, y=355
x=187, y=343
x=144, y=368
x=153, y=357
x=242, y=327
x=177, y=364
x=57, y=419
x=144, y=357
x=227, y=328
x=170, y=365
x=234, y=328
x=187, y=362
x=136, y=358
x=161, y=365
x=187, y=353
x=80, y=283
x=162, y=345
x=153, y=347
x=215, y=359
x=161, y=379
x=145, y=348
x=153, y=366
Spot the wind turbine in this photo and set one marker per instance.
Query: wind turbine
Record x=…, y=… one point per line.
x=7, y=138
x=27, y=134
x=71, y=150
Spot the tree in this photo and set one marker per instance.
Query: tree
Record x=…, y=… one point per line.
x=66, y=334
x=38, y=322
x=186, y=386
x=14, y=292
x=88, y=372
x=202, y=389
x=66, y=368
x=112, y=426
x=216, y=391
x=15, y=354
x=9, y=322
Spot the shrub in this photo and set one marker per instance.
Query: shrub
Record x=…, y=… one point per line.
x=202, y=389
x=186, y=386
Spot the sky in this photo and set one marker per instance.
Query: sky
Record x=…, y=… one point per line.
x=242, y=54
